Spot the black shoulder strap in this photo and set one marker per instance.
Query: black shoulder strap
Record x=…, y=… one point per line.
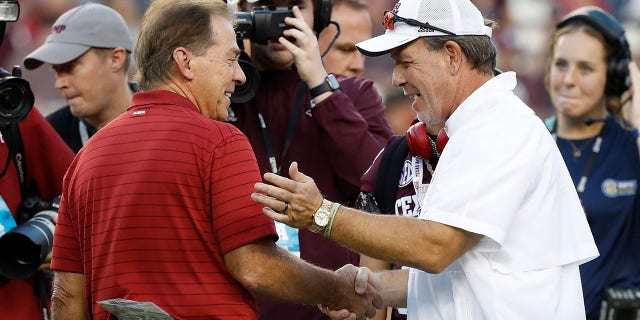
x=386, y=187
x=13, y=138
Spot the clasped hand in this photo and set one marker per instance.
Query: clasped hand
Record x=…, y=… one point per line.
x=366, y=284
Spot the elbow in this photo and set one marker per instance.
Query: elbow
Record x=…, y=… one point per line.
x=250, y=280
x=435, y=261
x=432, y=266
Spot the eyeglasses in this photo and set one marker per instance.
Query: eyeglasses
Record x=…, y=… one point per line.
x=390, y=18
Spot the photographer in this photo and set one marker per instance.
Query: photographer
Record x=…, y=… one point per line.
x=34, y=160
x=299, y=113
x=45, y=157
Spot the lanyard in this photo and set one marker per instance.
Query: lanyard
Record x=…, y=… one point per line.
x=293, y=121
x=588, y=169
x=417, y=164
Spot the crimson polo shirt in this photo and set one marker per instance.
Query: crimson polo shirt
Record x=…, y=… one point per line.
x=153, y=202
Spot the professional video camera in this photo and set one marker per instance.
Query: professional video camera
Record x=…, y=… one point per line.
x=16, y=97
x=24, y=248
x=259, y=26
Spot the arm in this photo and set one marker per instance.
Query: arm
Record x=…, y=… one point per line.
x=265, y=269
x=352, y=116
x=68, y=301
x=423, y=244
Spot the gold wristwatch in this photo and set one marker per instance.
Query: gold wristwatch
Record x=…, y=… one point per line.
x=321, y=217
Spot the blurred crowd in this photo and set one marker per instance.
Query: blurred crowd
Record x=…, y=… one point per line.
x=522, y=39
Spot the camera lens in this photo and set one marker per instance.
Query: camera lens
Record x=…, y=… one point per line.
x=24, y=248
x=247, y=90
x=16, y=99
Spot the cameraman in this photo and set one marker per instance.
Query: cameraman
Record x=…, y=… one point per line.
x=334, y=134
x=46, y=158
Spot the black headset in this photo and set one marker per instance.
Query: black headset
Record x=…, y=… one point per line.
x=617, y=69
x=321, y=14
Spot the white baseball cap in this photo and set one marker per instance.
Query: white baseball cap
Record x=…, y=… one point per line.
x=412, y=19
x=78, y=30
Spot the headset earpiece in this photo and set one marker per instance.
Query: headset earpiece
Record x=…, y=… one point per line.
x=617, y=68
x=421, y=145
x=321, y=14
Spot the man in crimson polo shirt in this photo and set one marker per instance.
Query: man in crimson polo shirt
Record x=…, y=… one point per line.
x=156, y=207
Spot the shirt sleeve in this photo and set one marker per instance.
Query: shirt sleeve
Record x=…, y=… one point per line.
x=237, y=219
x=352, y=117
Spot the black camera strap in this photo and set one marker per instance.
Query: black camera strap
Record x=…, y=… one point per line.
x=13, y=139
x=293, y=122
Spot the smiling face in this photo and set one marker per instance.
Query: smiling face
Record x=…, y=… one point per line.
x=217, y=72
x=355, y=27
x=422, y=74
x=577, y=77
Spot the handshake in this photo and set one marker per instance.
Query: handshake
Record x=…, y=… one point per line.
x=368, y=296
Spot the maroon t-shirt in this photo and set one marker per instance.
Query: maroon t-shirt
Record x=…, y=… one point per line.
x=153, y=202
x=333, y=142
x=406, y=198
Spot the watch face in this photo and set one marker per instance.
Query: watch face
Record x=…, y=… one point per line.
x=321, y=218
x=333, y=82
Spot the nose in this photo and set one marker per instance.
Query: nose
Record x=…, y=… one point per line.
x=61, y=81
x=238, y=75
x=569, y=76
x=397, y=78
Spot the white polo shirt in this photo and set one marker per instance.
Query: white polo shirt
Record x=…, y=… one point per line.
x=502, y=176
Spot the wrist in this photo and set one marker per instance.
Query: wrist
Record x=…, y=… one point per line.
x=320, y=219
x=332, y=216
x=328, y=85
x=317, y=80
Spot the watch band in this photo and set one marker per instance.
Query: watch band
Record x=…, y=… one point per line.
x=326, y=206
x=334, y=209
x=330, y=83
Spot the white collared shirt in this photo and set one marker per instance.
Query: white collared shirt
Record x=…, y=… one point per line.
x=503, y=177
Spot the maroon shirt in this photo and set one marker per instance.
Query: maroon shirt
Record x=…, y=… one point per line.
x=406, y=198
x=334, y=143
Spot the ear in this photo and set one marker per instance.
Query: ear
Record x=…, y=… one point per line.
x=454, y=55
x=118, y=58
x=182, y=60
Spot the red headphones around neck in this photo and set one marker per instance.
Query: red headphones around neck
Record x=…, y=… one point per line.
x=421, y=145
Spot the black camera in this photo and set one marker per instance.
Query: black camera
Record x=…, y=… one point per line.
x=261, y=24
x=620, y=304
x=24, y=248
x=16, y=97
